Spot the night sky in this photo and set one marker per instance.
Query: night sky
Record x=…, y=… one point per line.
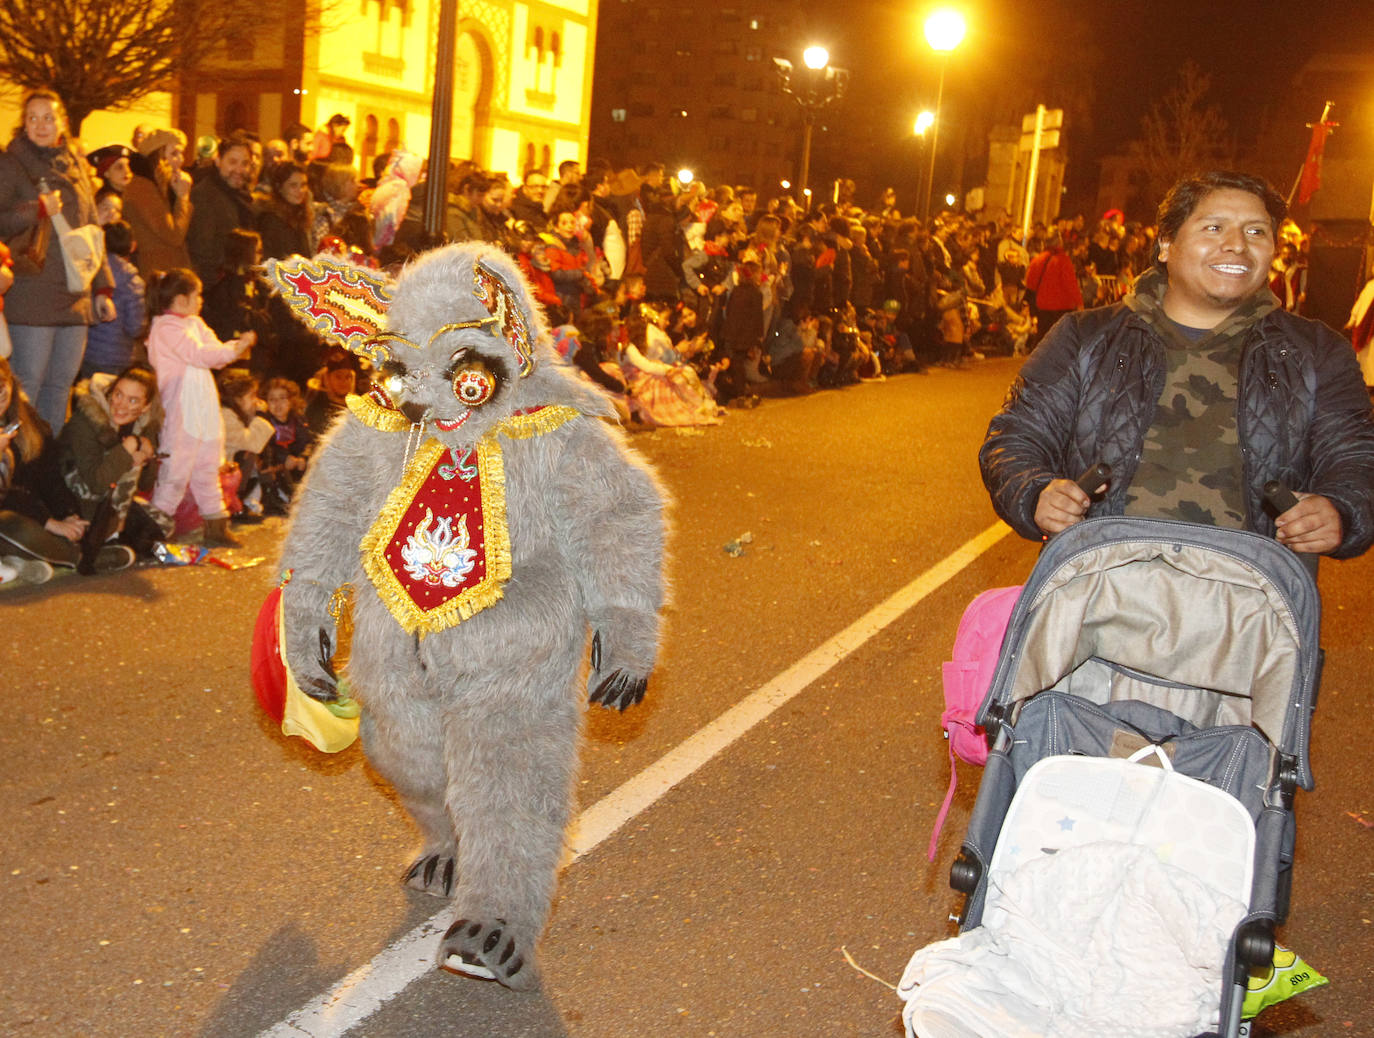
x=1105, y=62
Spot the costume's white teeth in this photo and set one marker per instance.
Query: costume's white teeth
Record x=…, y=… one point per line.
x=1231, y=268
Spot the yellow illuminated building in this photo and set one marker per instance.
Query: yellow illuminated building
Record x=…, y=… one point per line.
x=522, y=80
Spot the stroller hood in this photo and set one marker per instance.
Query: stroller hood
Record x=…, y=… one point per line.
x=1217, y=626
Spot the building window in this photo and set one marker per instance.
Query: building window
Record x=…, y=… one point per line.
x=617, y=115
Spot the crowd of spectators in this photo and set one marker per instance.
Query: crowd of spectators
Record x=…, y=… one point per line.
x=681, y=300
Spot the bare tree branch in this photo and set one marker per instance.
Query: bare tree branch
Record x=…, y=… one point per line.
x=111, y=53
x=1182, y=135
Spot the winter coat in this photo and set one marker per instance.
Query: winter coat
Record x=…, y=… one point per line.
x=285, y=230
x=216, y=209
x=110, y=345
x=42, y=299
x=865, y=278
x=662, y=252
x=743, y=328
x=91, y=447
x=159, y=224
x=1089, y=392
x=1052, y=278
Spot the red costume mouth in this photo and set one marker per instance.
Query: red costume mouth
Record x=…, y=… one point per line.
x=449, y=424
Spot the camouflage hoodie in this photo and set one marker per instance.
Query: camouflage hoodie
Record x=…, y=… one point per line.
x=1190, y=465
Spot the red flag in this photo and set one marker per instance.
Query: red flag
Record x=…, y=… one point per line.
x=1311, y=178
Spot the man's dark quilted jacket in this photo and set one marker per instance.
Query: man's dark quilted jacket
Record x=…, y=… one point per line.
x=1088, y=394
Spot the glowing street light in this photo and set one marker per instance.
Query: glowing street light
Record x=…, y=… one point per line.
x=786, y=185
x=944, y=30
x=684, y=176
x=817, y=86
x=924, y=122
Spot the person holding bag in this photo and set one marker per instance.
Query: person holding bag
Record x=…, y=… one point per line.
x=42, y=176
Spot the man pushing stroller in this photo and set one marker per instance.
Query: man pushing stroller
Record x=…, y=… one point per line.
x=1197, y=390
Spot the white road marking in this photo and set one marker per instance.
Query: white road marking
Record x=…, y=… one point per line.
x=367, y=988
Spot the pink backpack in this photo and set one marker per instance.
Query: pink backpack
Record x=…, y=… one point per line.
x=966, y=678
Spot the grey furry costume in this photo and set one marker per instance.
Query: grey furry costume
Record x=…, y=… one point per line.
x=471, y=702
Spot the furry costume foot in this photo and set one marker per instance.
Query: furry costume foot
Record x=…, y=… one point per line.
x=490, y=951
x=431, y=874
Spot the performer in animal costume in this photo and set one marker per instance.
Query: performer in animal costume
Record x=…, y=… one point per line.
x=488, y=524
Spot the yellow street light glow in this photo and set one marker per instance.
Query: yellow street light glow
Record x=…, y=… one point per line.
x=684, y=176
x=945, y=29
x=924, y=122
x=785, y=184
x=815, y=57
x=949, y=199
x=807, y=192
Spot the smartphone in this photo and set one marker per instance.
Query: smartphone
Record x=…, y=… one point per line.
x=13, y=427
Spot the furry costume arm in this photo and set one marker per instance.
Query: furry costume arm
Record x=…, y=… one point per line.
x=611, y=509
x=322, y=551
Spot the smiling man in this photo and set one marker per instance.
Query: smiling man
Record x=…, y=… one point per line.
x=1196, y=389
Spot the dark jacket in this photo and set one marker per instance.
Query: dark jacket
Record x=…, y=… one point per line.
x=42, y=299
x=91, y=448
x=285, y=229
x=1089, y=392
x=216, y=209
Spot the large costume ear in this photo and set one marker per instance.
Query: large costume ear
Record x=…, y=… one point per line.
x=508, y=299
x=344, y=304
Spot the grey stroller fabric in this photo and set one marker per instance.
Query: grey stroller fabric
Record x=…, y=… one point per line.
x=1200, y=640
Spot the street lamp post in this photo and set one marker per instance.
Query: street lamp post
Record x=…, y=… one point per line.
x=819, y=86
x=944, y=31
x=924, y=122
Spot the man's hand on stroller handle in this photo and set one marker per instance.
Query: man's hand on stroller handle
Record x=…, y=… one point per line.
x=1065, y=501
x=1312, y=525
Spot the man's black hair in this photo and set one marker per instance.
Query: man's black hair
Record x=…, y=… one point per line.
x=1185, y=195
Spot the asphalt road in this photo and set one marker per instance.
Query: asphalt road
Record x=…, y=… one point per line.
x=173, y=866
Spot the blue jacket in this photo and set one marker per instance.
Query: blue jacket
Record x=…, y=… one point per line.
x=110, y=344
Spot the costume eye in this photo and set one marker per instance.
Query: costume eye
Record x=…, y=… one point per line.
x=473, y=383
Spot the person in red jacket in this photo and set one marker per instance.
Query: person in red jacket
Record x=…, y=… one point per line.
x=1053, y=284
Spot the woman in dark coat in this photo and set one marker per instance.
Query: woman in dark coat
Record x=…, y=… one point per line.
x=43, y=174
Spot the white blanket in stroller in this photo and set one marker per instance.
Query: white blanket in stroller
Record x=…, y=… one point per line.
x=1112, y=896
x=1099, y=940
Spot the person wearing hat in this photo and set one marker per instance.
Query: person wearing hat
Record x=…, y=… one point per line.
x=330, y=390
x=111, y=165
x=157, y=202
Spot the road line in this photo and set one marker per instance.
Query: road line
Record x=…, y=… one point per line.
x=367, y=988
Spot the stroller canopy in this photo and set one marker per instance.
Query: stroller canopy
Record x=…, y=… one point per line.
x=1217, y=626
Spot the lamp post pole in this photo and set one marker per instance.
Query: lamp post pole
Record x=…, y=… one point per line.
x=934, y=142
x=441, y=121
x=820, y=86
x=944, y=30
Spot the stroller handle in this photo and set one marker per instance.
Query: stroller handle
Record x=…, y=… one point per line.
x=1279, y=497
x=1094, y=477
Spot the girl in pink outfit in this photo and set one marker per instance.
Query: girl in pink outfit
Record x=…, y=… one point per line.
x=182, y=349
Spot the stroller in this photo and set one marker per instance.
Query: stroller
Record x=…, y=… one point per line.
x=1189, y=646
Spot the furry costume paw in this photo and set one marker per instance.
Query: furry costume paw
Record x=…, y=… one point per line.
x=490, y=951
x=431, y=874
x=614, y=682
